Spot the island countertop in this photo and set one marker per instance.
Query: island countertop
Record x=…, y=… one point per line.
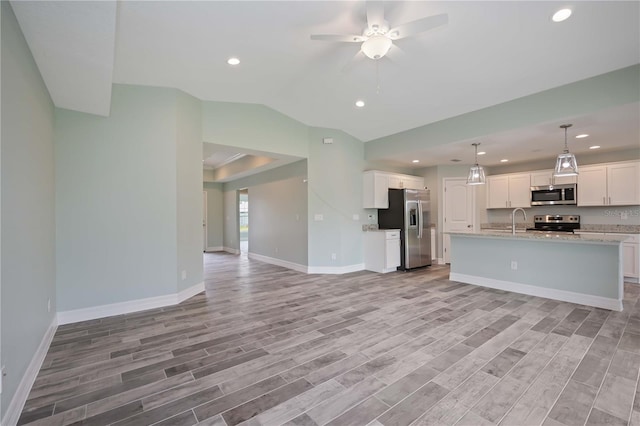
x=541, y=236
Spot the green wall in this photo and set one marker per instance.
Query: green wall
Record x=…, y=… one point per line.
x=586, y=96
x=188, y=159
x=215, y=214
x=253, y=127
x=27, y=223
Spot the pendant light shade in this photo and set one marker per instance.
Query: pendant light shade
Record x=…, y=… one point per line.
x=566, y=164
x=376, y=46
x=476, y=172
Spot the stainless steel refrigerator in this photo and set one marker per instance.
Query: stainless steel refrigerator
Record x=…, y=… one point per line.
x=410, y=211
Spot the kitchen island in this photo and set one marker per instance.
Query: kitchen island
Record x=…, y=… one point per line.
x=584, y=269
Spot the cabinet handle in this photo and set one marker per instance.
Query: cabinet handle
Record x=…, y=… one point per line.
x=604, y=201
x=609, y=200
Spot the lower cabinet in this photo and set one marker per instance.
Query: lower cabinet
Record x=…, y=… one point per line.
x=382, y=250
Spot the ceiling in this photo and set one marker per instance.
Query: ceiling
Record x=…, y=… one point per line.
x=488, y=53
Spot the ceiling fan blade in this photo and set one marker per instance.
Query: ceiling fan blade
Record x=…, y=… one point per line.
x=418, y=26
x=375, y=14
x=352, y=62
x=337, y=37
x=395, y=53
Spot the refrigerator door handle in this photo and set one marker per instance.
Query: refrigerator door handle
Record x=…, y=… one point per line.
x=420, y=218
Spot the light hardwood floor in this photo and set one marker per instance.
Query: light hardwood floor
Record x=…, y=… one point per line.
x=270, y=346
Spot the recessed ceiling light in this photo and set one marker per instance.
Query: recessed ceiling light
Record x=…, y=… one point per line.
x=481, y=153
x=584, y=135
x=594, y=147
x=233, y=61
x=359, y=104
x=504, y=160
x=561, y=15
x=415, y=161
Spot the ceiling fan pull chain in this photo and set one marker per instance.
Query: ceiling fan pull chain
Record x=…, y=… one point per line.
x=377, y=77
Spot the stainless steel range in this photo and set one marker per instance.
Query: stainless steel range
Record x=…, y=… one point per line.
x=555, y=223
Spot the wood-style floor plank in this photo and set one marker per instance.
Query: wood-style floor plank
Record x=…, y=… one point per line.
x=264, y=345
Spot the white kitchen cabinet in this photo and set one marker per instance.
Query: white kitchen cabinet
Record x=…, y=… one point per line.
x=509, y=191
x=382, y=250
x=614, y=184
x=545, y=177
x=376, y=185
x=375, y=190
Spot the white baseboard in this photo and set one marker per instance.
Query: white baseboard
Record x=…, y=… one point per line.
x=279, y=262
x=440, y=261
x=188, y=293
x=631, y=280
x=308, y=269
x=231, y=250
x=29, y=377
x=531, y=290
x=95, y=312
x=335, y=269
x=212, y=249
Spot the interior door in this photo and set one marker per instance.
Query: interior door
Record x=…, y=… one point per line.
x=458, y=210
x=204, y=220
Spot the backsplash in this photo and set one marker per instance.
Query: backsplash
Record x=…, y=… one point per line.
x=606, y=215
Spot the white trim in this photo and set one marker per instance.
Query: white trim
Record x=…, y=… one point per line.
x=278, y=262
x=335, y=269
x=549, y=293
x=188, y=293
x=95, y=312
x=29, y=377
x=211, y=249
x=440, y=261
x=231, y=250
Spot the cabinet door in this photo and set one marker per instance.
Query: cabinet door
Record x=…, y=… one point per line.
x=497, y=192
x=561, y=180
x=542, y=178
x=415, y=183
x=592, y=186
x=622, y=184
x=392, y=253
x=520, y=190
x=395, y=181
x=630, y=260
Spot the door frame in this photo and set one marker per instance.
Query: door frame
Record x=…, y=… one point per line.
x=205, y=229
x=445, y=240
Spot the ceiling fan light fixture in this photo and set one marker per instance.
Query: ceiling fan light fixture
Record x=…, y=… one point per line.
x=566, y=163
x=476, y=172
x=376, y=46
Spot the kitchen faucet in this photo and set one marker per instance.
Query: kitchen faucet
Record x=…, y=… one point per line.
x=513, y=218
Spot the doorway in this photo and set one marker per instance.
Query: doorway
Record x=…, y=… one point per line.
x=243, y=219
x=458, y=211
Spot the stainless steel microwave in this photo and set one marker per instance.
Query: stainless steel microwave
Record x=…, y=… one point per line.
x=550, y=195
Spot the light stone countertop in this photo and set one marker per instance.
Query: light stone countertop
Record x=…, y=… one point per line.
x=539, y=236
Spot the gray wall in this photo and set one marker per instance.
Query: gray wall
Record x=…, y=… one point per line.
x=277, y=213
x=231, y=232
x=278, y=217
x=28, y=226
x=116, y=200
x=188, y=146
x=215, y=214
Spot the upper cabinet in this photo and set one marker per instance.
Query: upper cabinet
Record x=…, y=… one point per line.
x=545, y=177
x=614, y=184
x=376, y=184
x=509, y=191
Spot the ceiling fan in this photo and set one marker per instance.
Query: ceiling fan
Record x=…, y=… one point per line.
x=378, y=37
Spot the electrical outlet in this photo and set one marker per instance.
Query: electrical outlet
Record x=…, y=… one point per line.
x=333, y=256
x=2, y=374
x=356, y=217
x=318, y=217
x=514, y=265
x=49, y=305
x=276, y=249
x=370, y=216
x=184, y=275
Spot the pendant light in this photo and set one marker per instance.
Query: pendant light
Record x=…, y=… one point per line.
x=566, y=164
x=476, y=172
